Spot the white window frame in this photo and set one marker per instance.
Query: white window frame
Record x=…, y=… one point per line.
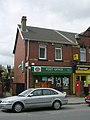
x=89, y=54
x=44, y=47
x=83, y=54
x=56, y=58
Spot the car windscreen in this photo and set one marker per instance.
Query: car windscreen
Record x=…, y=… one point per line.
x=25, y=93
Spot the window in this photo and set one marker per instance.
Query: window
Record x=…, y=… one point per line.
x=83, y=54
x=65, y=82
x=89, y=54
x=42, y=52
x=58, y=53
x=37, y=93
x=49, y=92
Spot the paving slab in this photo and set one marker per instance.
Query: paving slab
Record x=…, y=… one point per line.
x=75, y=100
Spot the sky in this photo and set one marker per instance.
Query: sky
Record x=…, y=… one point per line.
x=64, y=15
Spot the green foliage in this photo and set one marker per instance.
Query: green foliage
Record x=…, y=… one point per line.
x=4, y=75
x=7, y=74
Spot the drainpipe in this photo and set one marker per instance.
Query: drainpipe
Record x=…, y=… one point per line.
x=28, y=65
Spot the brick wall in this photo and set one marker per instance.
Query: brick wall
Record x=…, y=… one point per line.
x=85, y=42
x=66, y=51
x=19, y=77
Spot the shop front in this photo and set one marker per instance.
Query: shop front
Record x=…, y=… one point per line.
x=81, y=80
x=51, y=76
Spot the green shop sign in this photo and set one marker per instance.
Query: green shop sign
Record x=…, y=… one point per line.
x=49, y=69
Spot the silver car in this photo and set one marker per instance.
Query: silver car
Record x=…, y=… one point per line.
x=35, y=98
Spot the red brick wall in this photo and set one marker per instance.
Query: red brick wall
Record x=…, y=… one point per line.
x=19, y=55
x=76, y=50
x=66, y=51
x=67, y=55
x=85, y=41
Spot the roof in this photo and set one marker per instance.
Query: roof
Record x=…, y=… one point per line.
x=48, y=35
x=86, y=33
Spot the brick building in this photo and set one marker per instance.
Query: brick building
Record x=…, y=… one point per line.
x=45, y=57
x=81, y=77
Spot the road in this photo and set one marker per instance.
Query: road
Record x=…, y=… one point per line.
x=67, y=112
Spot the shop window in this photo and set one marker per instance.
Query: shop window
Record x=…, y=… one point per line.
x=42, y=52
x=62, y=83
x=83, y=54
x=58, y=82
x=88, y=78
x=58, y=53
x=65, y=83
x=44, y=79
x=51, y=79
x=47, y=81
x=38, y=81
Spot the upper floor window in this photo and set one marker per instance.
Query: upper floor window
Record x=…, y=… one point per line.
x=83, y=54
x=58, y=53
x=89, y=54
x=42, y=52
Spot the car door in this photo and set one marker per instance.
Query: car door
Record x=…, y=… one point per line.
x=34, y=100
x=48, y=97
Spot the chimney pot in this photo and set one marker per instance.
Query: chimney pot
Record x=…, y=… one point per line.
x=23, y=23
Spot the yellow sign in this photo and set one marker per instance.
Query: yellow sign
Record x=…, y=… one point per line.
x=75, y=57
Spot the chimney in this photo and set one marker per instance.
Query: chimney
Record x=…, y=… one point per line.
x=23, y=23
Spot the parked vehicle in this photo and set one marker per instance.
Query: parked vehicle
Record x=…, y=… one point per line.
x=35, y=98
x=87, y=99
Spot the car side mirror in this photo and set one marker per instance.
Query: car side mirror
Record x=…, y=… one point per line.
x=30, y=95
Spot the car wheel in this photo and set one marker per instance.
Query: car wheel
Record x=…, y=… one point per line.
x=17, y=107
x=57, y=105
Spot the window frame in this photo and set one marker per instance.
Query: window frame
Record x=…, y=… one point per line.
x=83, y=54
x=42, y=46
x=56, y=57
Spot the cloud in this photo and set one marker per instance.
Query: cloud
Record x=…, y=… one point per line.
x=66, y=15
x=6, y=60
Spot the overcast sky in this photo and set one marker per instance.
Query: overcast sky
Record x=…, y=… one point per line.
x=65, y=15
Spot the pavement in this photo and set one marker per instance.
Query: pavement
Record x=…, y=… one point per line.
x=75, y=100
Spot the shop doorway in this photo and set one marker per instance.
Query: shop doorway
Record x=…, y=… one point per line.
x=81, y=87
x=83, y=78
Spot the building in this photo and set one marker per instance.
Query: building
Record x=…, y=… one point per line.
x=46, y=58
x=81, y=77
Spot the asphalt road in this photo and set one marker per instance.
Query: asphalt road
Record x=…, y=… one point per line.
x=67, y=112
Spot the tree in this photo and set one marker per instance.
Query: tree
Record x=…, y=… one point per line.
x=7, y=78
